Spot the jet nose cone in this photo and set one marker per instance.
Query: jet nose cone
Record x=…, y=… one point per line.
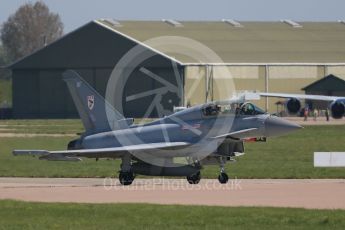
x=275, y=126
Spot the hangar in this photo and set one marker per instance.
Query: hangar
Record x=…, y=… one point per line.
x=329, y=85
x=280, y=56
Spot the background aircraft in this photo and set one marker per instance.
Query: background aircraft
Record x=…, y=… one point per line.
x=293, y=104
x=176, y=145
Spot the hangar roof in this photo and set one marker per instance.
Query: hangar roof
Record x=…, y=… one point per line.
x=95, y=43
x=251, y=42
x=328, y=83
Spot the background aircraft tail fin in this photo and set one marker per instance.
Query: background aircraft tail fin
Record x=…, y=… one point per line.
x=92, y=107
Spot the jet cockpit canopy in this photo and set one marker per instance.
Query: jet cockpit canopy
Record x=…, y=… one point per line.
x=250, y=109
x=229, y=107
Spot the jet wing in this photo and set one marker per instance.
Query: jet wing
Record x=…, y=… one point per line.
x=301, y=96
x=237, y=134
x=113, y=152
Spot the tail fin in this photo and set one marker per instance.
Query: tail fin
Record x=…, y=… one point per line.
x=92, y=107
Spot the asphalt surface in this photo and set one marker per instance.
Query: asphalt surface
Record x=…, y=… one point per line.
x=311, y=194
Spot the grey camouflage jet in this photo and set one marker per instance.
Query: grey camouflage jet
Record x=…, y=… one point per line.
x=179, y=144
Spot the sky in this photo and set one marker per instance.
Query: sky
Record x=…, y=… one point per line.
x=75, y=13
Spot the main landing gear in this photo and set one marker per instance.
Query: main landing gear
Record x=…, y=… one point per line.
x=126, y=178
x=223, y=178
x=194, y=179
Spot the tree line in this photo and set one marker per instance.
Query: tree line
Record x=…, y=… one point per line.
x=30, y=28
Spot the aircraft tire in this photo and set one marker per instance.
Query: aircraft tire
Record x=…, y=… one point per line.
x=223, y=178
x=126, y=178
x=194, y=179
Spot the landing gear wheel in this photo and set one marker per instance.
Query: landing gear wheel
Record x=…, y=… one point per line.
x=194, y=179
x=223, y=178
x=126, y=178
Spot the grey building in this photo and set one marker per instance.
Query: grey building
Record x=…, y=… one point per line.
x=92, y=50
x=266, y=56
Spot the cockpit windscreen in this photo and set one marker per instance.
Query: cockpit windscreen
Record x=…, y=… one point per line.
x=231, y=108
x=250, y=109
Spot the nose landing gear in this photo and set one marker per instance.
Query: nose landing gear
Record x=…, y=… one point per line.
x=223, y=178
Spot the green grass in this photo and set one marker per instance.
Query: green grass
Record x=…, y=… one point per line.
x=32, y=167
x=284, y=157
x=42, y=122
x=6, y=91
x=25, y=215
x=49, y=126
x=291, y=156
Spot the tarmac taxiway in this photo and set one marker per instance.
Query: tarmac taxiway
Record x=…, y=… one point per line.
x=306, y=193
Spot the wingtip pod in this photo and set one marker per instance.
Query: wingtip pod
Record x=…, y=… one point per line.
x=30, y=152
x=59, y=157
x=44, y=155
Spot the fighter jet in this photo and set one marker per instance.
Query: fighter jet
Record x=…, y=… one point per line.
x=180, y=144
